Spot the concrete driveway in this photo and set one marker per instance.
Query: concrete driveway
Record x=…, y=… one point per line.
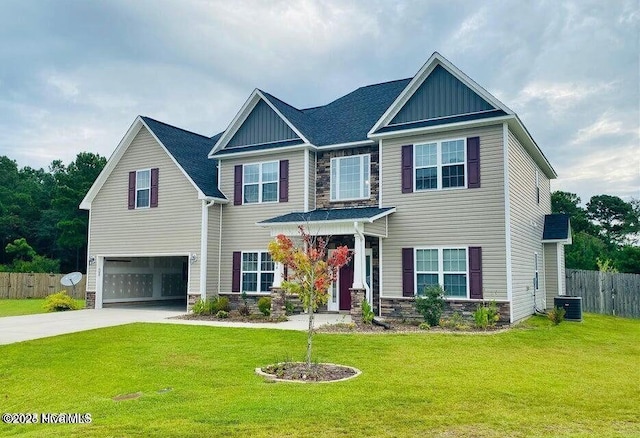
x=43, y=325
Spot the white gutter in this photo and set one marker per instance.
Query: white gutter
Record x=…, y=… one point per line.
x=220, y=249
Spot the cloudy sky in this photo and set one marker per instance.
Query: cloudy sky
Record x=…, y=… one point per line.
x=74, y=74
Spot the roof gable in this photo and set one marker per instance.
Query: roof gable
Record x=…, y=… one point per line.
x=186, y=149
x=440, y=95
x=262, y=125
x=447, y=75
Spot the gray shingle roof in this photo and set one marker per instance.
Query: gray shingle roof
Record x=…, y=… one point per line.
x=556, y=227
x=190, y=151
x=324, y=214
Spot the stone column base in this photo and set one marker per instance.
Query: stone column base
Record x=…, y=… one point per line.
x=357, y=296
x=90, y=300
x=278, y=307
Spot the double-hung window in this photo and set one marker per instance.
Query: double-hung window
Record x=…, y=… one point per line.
x=440, y=165
x=143, y=188
x=257, y=271
x=260, y=182
x=350, y=177
x=444, y=266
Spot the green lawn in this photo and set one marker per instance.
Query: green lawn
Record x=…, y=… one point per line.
x=24, y=307
x=576, y=379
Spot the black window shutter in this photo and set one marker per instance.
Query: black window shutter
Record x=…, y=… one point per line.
x=284, y=181
x=235, y=279
x=407, y=168
x=132, y=190
x=237, y=185
x=473, y=162
x=475, y=272
x=407, y=273
x=154, y=187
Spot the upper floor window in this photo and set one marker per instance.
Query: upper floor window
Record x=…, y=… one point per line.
x=260, y=182
x=143, y=188
x=350, y=177
x=440, y=165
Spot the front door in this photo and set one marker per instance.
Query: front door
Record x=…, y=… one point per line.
x=345, y=279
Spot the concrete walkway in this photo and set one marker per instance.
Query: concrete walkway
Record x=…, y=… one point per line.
x=43, y=325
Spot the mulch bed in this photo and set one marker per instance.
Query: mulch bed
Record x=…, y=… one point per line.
x=299, y=372
x=401, y=327
x=234, y=316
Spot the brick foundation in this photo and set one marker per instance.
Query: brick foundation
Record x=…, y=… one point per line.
x=90, y=300
x=404, y=308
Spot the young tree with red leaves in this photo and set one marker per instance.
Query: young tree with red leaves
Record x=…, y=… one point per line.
x=310, y=271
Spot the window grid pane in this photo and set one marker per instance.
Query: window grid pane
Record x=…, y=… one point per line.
x=250, y=193
x=350, y=177
x=143, y=179
x=250, y=261
x=427, y=178
x=454, y=260
x=453, y=176
x=270, y=172
x=250, y=282
x=142, y=198
x=427, y=260
x=452, y=152
x=270, y=192
x=426, y=280
x=426, y=155
x=251, y=173
x=455, y=285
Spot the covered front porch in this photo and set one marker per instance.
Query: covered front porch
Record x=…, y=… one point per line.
x=361, y=229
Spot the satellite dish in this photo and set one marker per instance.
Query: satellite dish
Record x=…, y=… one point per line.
x=71, y=279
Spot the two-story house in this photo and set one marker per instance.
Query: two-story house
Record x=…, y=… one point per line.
x=430, y=180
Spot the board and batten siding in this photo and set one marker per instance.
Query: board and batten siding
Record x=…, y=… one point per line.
x=455, y=217
x=171, y=228
x=527, y=223
x=240, y=232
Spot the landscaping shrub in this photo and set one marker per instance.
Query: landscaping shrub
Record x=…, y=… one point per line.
x=60, y=301
x=455, y=322
x=556, y=315
x=222, y=314
x=220, y=303
x=202, y=307
x=367, y=313
x=264, y=305
x=289, y=308
x=424, y=326
x=486, y=316
x=431, y=304
x=244, y=309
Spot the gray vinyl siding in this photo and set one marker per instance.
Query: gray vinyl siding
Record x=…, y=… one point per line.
x=378, y=227
x=457, y=217
x=440, y=95
x=263, y=125
x=551, y=272
x=527, y=223
x=213, y=241
x=240, y=232
x=563, y=273
x=172, y=227
x=312, y=180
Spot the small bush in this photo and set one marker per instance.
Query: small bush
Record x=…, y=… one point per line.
x=367, y=313
x=556, y=315
x=220, y=303
x=264, y=305
x=222, y=314
x=202, y=307
x=244, y=310
x=59, y=302
x=289, y=308
x=431, y=304
x=424, y=326
x=486, y=316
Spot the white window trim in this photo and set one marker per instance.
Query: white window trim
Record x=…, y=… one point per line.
x=260, y=183
x=439, y=165
x=258, y=272
x=333, y=196
x=148, y=188
x=441, y=269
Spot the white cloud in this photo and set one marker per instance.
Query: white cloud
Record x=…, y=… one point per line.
x=64, y=86
x=561, y=97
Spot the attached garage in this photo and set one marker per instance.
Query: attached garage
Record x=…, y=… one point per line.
x=160, y=279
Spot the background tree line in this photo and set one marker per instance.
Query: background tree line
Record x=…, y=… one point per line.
x=605, y=233
x=41, y=227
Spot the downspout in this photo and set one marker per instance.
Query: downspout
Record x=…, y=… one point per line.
x=204, y=240
x=219, y=249
x=367, y=289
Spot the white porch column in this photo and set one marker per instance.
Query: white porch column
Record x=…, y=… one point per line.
x=278, y=274
x=359, y=256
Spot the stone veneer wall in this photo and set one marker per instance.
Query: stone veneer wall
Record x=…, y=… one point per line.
x=323, y=177
x=235, y=301
x=90, y=301
x=404, y=308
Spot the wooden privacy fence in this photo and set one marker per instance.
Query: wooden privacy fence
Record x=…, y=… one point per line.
x=18, y=285
x=605, y=292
